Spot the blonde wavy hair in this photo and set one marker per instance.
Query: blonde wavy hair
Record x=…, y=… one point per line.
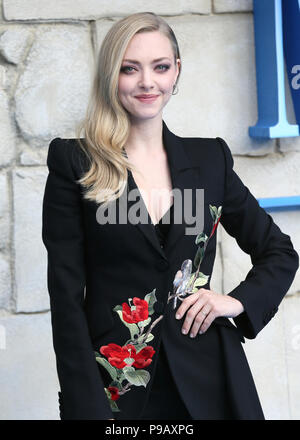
x=106, y=124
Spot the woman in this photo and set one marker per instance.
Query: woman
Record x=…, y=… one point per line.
x=121, y=352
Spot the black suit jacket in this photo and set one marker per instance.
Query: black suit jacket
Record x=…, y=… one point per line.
x=105, y=281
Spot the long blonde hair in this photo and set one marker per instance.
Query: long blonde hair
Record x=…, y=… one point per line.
x=106, y=124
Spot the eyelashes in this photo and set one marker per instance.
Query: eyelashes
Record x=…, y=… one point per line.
x=165, y=66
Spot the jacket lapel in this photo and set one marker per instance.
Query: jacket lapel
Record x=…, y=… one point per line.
x=184, y=176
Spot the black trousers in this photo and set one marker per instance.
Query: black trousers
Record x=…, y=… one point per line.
x=164, y=402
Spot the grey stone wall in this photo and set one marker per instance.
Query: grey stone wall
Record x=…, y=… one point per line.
x=47, y=51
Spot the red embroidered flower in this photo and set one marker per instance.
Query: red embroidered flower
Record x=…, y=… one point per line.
x=116, y=355
x=139, y=314
x=142, y=358
x=114, y=391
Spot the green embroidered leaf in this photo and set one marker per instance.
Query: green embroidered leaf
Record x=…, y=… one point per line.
x=121, y=377
x=213, y=211
x=109, y=368
x=198, y=257
x=107, y=392
x=144, y=323
x=151, y=299
x=116, y=383
x=141, y=345
x=219, y=210
x=127, y=368
x=201, y=238
x=137, y=377
x=149, y=337
x=118, y=307
x=201, y=280
x=114, y=406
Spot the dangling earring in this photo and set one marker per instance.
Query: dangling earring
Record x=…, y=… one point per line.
x=175, y=85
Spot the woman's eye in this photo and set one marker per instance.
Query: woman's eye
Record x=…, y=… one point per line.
x=165, y=68
x=123, y=69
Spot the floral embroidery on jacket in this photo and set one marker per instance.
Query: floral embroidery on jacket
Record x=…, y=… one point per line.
x=127, y=364
x=186, y=282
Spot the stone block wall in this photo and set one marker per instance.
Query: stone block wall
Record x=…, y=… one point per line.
x=47, y=53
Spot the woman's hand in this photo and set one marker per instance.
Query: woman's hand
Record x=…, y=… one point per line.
x=203, y=307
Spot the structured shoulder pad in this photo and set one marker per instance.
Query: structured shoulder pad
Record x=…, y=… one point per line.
x=58, y=159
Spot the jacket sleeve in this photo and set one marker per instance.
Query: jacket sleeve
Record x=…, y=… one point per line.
x=82, y=388
x=274, y=259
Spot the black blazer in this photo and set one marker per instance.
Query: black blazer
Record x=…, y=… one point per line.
x=106, y=281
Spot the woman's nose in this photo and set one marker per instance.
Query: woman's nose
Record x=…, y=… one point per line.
x=146, y=79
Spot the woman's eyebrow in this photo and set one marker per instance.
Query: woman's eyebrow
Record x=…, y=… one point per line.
x=154, y=61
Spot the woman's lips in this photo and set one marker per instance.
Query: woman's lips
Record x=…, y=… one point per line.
x=150, y=99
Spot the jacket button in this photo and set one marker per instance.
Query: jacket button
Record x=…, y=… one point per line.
x=162, y=265
x=158, y=307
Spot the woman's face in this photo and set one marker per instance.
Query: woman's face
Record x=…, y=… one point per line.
x=142, y=75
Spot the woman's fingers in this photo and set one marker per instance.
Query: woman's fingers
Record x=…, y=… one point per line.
x=203, y=307
x=202, y=320
x=195, y=317
x=194, y=304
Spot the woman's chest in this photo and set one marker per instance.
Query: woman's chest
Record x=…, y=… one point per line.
x=154, y=182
